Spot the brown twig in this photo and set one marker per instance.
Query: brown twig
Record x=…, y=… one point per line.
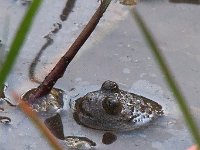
x=58, y=71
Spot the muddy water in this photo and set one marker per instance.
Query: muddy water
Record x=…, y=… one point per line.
x=116, y=51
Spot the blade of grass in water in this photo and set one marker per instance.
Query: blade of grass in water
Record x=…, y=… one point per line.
x=59, y=69
x=18, y=40
x=168, y=76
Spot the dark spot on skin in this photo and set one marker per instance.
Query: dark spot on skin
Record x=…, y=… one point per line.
x=132, y=109
x=54, y=124
x=112, y=106
x=131, y=119
x=150, y=112
x=109, y=138
x=135, y=116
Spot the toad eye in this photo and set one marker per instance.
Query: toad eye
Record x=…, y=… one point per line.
x=110, y=86
x=112, y=106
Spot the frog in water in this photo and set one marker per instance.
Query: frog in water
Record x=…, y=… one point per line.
x=112, y=109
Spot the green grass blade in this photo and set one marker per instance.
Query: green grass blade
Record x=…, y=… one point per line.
x=168, y=76
x=18, y=40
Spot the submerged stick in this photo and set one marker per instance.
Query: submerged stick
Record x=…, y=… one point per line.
x=58, y=71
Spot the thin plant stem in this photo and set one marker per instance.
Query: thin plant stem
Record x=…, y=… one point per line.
x=58, y=71
x=168, y=76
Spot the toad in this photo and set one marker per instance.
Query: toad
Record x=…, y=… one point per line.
x=113, y=109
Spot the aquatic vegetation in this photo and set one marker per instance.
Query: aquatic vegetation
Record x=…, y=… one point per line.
x=168, y=77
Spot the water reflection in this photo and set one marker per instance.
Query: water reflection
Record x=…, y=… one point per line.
x=54, y=124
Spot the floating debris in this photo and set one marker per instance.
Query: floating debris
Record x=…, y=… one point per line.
x=49, y=104
x=128, y=2
x=3, y=100
x=109, y=138
x=1, y=109
x=67, y=9
x=25, y=2
x=5, y=120
x=9, y=103
x=54, y=124
x=75, y=142
x=112, y=109
x=2, y=93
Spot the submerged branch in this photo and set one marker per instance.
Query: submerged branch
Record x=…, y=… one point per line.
x=58, y=71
